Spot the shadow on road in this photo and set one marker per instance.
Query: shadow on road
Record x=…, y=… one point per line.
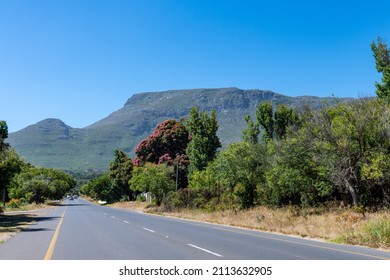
x=36, y=229
x=16, y=222
x=75, y=204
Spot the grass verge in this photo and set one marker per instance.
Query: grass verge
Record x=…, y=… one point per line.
x=375, y=233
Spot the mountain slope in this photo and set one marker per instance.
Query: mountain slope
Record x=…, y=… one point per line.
x=51, y=143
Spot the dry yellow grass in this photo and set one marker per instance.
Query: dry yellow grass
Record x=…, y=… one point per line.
x=307, y=223
x=134, y=205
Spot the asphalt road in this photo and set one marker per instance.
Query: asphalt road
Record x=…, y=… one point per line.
x=79, y=230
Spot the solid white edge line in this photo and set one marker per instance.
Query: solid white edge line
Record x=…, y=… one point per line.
x=205, y=250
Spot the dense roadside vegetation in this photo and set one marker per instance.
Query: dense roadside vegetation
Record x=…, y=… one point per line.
x=339, y=154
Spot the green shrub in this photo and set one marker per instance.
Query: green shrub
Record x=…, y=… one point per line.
x=13, y=203
x=141, y=198
x=53, y=203
x=378, y=233
x=374, y=234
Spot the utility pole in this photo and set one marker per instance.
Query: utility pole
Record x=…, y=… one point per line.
x=177, y=170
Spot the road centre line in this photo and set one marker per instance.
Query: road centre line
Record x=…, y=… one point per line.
x=205, y=250
x=50, y=250
x=148, y=230
x=126, y=222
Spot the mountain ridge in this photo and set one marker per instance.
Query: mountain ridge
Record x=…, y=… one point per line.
x=52, y=143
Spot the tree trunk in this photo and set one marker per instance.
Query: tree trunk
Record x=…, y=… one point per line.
x=386, y=196
x=352, y=190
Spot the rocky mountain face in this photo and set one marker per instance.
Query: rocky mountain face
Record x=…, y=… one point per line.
x=51, y=143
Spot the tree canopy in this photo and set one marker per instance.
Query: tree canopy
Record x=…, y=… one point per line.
x=3, y=135
x=204, y=140
x=168, y=141
x=120, y=172
x=152, y=178
x=382, y=61
x=40, y=184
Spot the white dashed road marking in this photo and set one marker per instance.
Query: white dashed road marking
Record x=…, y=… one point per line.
x=205, y=250
x=148, y=229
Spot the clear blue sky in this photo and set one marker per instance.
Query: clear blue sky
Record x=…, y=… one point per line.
x=81, y=60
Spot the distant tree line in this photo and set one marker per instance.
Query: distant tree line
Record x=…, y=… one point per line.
x=20, y=182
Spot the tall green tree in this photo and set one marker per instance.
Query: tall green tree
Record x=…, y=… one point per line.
x=120, y=172
x=251, y=133
x=351, y=140
x=264, y=116
x=10, y=165
x=283, y=118
x=3, y=135
x=275, y=122
x=382, y=61
x=204, y=141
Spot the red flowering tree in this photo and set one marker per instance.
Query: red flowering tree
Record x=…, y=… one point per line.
x=166, y=145
x=167, y=142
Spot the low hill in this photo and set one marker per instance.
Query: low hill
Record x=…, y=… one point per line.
x=52, y=143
